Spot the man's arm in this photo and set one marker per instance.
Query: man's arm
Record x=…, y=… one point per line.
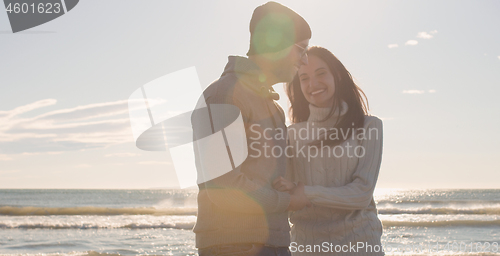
x=235, y=191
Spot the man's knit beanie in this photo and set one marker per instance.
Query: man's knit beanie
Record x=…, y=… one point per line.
x=274, y=27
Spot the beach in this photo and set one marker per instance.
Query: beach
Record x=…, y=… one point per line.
x=159, y=221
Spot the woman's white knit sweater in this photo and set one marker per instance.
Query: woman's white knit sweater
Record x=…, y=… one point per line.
x=339, y=182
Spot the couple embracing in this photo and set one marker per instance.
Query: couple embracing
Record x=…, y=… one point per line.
x=318, y=174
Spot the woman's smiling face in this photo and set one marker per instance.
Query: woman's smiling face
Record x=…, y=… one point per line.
x=317, y=82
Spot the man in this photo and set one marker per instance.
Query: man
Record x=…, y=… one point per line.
x=239, y=213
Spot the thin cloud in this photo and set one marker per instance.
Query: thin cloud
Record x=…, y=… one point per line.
x=90, y=111
x=499, y=57
x=26, y=108
x=5, y=158
x=41, y=153
x=7, y=175
x=83, y=127
x=83, y=166
x=432, y=91
x=434, y=31
x=411, y=42
x=390, y=46
x=424, y=35
x=122, y=155
x=8, y=171
x=413, y=91
x=154, y=163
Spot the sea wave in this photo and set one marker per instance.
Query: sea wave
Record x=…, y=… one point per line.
x=186, y=225
x=95, y=253
x=190, y=225
x=441, y=210
x=92, y=210
x=84, y=253
x=434, y=201
x=450, y=209
x=97, y=222
x=136, y=222
x=440, y=223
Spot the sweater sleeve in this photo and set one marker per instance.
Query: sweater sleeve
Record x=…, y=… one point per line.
x=359, y=193
x=235, y=191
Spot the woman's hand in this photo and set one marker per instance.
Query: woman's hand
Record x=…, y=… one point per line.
x=298, y=198
x=283, y=185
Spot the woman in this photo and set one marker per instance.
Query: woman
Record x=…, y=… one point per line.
x=340, y=166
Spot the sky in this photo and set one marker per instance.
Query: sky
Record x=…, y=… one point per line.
x=430, y=70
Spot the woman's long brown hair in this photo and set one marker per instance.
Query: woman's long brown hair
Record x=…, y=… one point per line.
x=345, y=90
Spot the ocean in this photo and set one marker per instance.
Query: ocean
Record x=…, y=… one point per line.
x=159, y=221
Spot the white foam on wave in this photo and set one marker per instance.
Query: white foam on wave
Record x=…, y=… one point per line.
x=97, y=222
x=92, y=210
x=86, y=253
x=443, y=210
x=431, y=220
